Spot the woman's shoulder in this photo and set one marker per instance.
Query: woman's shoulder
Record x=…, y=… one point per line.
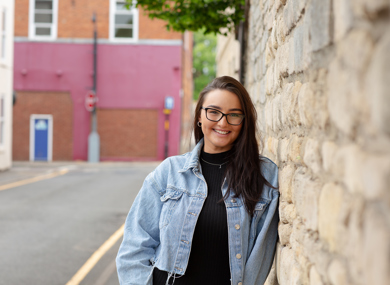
x=270, y=171
x=172, y=165
x=268, y=164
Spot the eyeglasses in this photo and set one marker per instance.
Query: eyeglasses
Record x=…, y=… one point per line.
x=214, y=115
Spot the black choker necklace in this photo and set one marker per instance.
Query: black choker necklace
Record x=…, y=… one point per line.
x=220, y=165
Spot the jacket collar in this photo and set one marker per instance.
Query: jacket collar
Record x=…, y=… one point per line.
x=193, y=159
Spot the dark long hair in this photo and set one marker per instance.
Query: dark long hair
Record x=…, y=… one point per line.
x=243, y=169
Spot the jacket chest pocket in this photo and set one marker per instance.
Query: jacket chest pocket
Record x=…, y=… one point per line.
x=260, y=208
x=170, y=200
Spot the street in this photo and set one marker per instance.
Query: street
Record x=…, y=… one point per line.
x=50, y=228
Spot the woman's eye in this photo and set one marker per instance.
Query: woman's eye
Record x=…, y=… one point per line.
x=235, y=115
x=213, y=112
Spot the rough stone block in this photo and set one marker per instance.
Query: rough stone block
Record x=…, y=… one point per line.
x=312, y=157
x=339, y=104
x=285, y=180
x=306, y=103
x=268, y=115
x=315, y=278
x=375, y=173
x=283, y=150
x=262, y=95
x=370, y=9
x=376, y=247
x=276, y=113
x=287, y=213
x=378, y=85
x=346, y=101
x=284, y=233
x=330, y=207
x=343, y=18
x=319, y=21
x=351, y=161
x=269, y=80
x=300, y=39
x=293, y=112
x=294, y=149
x=288, y=15
x=286, y=103
x=328, y=152
x=281, y=30
x=338, y=273
x=305, y=194
x=281, y=60
x=289, y=272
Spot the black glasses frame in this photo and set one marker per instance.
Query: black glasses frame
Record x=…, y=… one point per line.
x=223, y=115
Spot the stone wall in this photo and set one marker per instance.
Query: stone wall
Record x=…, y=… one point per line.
x=319, y=74
x=228, y=55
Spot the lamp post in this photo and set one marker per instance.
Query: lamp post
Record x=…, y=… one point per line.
x=93, y=138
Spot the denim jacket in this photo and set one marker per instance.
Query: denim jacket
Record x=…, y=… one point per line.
x=161, y=223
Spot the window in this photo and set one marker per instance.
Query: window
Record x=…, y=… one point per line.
x=3, y=33
x=2, y=107
x=123, y=22
x=43, y=19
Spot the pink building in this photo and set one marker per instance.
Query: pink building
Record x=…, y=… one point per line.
x=139, y=63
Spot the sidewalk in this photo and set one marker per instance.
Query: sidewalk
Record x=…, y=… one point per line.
x=22, y=170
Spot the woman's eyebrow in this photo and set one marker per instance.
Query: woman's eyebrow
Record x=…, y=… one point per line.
x=219, y=108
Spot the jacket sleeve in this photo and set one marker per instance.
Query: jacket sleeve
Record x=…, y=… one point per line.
x=141, y=236
x=260, y=260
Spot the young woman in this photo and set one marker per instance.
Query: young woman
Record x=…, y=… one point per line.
x=210, y=216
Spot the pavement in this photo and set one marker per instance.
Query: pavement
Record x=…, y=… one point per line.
x=22, y=170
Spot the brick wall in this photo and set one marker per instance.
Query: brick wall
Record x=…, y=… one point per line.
x=154, y=29
x=318, y=72
x=59, y=105
x=21, y=18
x=127, y=134
x=74, y=20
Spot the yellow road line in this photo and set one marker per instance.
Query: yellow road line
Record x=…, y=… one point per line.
x=34, y=179
x=95, y=257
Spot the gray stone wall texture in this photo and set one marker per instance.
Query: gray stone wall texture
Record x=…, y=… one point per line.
x=319, y=74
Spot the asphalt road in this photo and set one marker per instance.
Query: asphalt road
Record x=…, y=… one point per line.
x=50, y=228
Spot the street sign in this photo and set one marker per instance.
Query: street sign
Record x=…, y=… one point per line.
x=169, y=102
x=90, y=100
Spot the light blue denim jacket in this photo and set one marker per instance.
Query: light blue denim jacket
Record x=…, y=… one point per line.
x=160, y=225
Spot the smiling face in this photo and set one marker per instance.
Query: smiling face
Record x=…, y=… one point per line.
x=220, y=136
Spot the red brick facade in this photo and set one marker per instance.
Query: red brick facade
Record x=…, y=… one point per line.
x=59, y=105
x=74, y=20
x=127, y=134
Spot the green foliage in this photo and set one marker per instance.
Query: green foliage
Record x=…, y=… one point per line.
x=204, y=66
x=194, y=15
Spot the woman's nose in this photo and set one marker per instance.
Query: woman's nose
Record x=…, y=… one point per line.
x=223, y=121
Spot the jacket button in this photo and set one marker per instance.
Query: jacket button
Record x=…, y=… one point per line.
x=237, y=226
x=233, y=201
x=239, y=283
x=238, y=256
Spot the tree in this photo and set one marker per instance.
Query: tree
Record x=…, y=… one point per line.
x=204, y=67
x=194, y=15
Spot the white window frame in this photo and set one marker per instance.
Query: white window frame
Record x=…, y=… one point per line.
x=33, y=117
x=2, y=121
x=3, y=33
x=32, y=25
x=113, y=11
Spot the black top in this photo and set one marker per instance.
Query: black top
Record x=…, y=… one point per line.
x=209, y=257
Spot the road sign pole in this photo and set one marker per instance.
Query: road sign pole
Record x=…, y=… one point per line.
x=93, y=138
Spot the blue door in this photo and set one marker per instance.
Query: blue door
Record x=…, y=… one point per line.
x=41, y=131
